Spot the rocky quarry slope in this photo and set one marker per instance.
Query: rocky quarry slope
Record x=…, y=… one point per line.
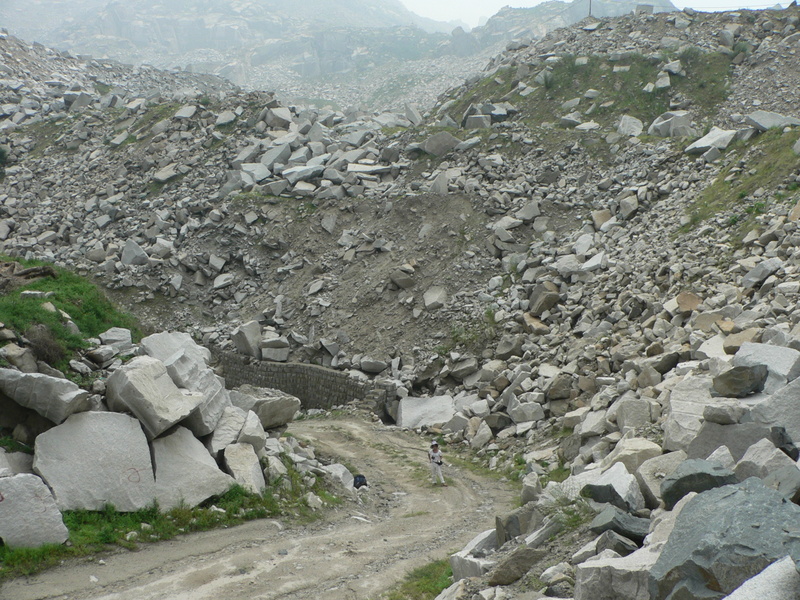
x=581, y=265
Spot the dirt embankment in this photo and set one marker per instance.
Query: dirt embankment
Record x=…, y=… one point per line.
x=356, y=552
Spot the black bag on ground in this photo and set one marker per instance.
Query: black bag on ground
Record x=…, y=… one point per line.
x=359, y=481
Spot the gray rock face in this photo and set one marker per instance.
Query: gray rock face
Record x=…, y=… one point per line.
x=782, y=363
x=415, y=412
x=613, y=519
x=247, y=338
x=29, y=516
x=742, y=381
x=242, y=462
x=611, y=577
x=53, y=398
x=515, y=565
x=163, y=345
x=779, y=581
x=618, y=487
x=144, y=387
x=94, y=459
x=694, y=475
x=714, y=547
x=716, y=138
x=273, y=407
x=737, y=438
x=764, y=120
x=781, y=409
x=185, y=472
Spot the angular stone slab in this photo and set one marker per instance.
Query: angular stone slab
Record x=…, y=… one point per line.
x=227, y=430
x=53, y=398
x=783, y=363
x=514, y=566
x=617, y=487
x=739, y=382
x=466, y=563
x=609, y=576
x=714, y=547
x=163, y=345
x=29, y=516
x=694, y=475
x=686, y=404
x=94, y=459
x=215, y=398
x=779, y=581
x=253, y=432
x=415, y=412
x=781, y=409
x=761, y=459
x=144, y=387
x=242, y=462
x=185, y=472
x=273, y=407
x=652, y=472
x=737, y=438
x=613, y=519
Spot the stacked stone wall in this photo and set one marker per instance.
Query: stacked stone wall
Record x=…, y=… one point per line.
x=315, y=386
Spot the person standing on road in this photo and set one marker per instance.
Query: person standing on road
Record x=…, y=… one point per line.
x=435, y=458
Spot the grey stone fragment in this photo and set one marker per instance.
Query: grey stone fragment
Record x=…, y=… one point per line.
x=782, y=363
x=514, y=566
x=609, y=576
x=94, y=459
x=652, y=472
x=763, y=120
x=144, y=388
x=247, y=338
x=242, y=463
x=786, y=481
x=469, y=561
x=630, y=126
x=756, y=276
x=273, y=407
x=779, y=581
x=781, y=409
x=163, y=345
x=434, y=298
x=29, y=517
x=617, y=487
x=716, y=138
x=185, y=472
x=518, y=522
x=761, y=459
x=737, y=438
x=694, y=475
x=613, y=519
x=440, y=143
x=611, y=540
x=227, y=430
x=739, y=382
x=52, y=397
x=714, y=547
x=416, y=412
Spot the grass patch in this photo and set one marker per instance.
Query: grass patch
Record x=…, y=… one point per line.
x=769, y=159
x=45, y=135
x=9, y=444
x=707, y=79
x=424, y=583
x=84, y=302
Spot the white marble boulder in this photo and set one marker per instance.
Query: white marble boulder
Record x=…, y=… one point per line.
x=415, y=412
x=215, y=399
x=94, y=459
x=29, y=516
x=163, y=345
x=609, y=576
x=53, y=398
x=185, y=472
x=243, y=464
x=227, y=430
x=469, y=561
x=144, y=388
x=273, y=407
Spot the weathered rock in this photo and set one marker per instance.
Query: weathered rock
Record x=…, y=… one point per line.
x=242, y=463
x=416, y=412
x=652, y=472
x=716, y=138
x=247, y=338
x=618, y=487
x=227, y=430
x=779, y=581
x=611, y=577
x=185, y=472
x=763, y=120
x=94, y=459
x=737, y=438
x=52, y=397
x=694, y=475
x=742, y=381
x=514, y=566
x=434, y=298
x=761, y=459
x=273, y=407
x=470, y=561
x=613, y=519
x=780, y=409
x=714, y=547
x=144, y=387
x=29, y=516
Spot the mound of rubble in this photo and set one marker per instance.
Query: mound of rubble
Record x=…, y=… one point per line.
x=161, y=429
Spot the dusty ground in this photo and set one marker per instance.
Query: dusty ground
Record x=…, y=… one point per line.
x=358, y=551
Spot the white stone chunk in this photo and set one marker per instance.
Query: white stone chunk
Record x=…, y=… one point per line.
x=242, y=462
x=416, y=412
x=253, y=432
x=52, y=397
x=29, y=516
x=163, y=345
x=609, y=576
x=144, y=387
x=94, y=459
x=227, y=430
x=185, y=472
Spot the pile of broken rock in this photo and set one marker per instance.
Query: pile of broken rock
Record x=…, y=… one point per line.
x=161, y=429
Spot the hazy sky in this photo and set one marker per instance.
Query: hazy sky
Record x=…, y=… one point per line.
x=470, y=11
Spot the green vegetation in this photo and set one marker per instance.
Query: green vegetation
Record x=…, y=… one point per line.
x=769, y=158
x=11, y=445
x=45, y=135
x=102, y=88
x=3, y=161
x=51, y=339
x=424, y=583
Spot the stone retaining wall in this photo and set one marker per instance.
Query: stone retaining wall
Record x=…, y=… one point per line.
x=315, y=386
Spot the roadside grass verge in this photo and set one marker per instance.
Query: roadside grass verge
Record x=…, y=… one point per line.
x=92, y=532
x=424, y=583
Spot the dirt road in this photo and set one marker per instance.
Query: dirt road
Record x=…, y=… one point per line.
x=356, y=552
